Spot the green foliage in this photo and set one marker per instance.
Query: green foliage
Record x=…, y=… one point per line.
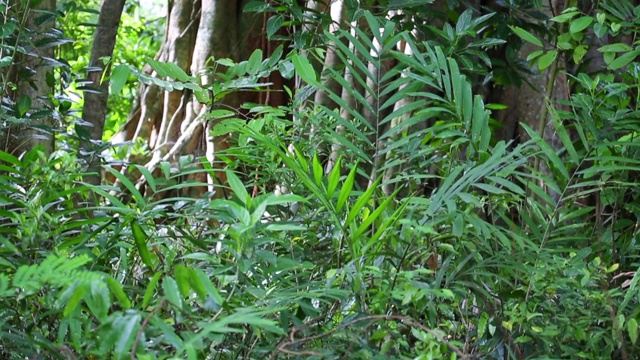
x=139, y=37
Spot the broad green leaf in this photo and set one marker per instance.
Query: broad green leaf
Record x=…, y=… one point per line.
x=159, y=67
x=182, y=279
x=479, y=20
x=254, y=63
x=445, y=78
x=547, y=59
x=600, y=30
x=487, y=43
x=212, y=292
x=480, y=124
x=171, y=292
x=274, y=59
x=274, y=24
x=526, y=36
x=624, y=59
x=457, y=228
x=286, y=69
x=617, y=47
x=534, y=55
x=23, y=105
x=580, y=24
x=579, y=52
x=203, y=96
x=141, y=239
x=482, y=325
x=258, y=211
x=7, y=28
x=9, y=158
x=304, y=69
x=464, y=21
x=456, y=83
x=175, y=72
x=197, y=284
x=119, y=77
x=632, y=327
x=608, y=57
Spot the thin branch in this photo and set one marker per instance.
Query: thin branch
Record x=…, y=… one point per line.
x=144, y=325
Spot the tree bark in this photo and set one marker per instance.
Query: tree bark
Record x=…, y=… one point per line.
x=94, y=109
x=529, y=104
x=29, y=72
x=173, y=122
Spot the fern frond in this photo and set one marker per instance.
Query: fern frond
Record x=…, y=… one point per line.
x=56, y=270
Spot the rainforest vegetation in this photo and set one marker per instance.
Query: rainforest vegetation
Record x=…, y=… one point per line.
x=315, y=179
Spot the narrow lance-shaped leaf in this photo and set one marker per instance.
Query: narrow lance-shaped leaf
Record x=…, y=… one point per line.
x=346, y=189
x=128, y=184
x=74, y=300
x=182, y=279
x=238, y=187
x=140, y=239
x=151, y=289
x=334, y=178
x=317, y=170
x=359, y=205
x=116, y=289
x=526, y=36
x=374, y=216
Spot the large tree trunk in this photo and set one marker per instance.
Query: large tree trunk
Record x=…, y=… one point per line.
x=29, y=72
x=95, y=101
x=173, y=123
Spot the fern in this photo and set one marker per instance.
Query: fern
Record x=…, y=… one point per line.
x=56, y=271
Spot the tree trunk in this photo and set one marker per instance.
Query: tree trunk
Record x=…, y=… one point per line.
x=174, y=123
x=95, y=101
x=29, y=71
x=529, y=104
